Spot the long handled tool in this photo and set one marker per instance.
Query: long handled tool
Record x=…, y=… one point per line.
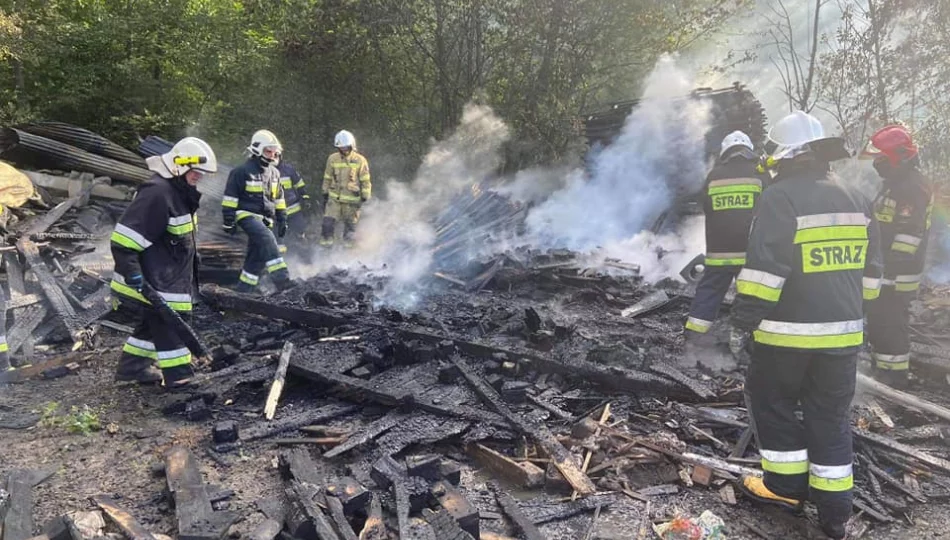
x=173, y=319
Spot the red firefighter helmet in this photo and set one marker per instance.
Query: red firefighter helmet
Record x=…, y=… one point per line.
x=893, y=142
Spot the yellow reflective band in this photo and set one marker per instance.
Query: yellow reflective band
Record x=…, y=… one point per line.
x=698, y=325
x=281, y=205
x=279, y=266
x=180, y=306
x=853, y=339
x=831, y=484
x=180, y=229
x=125, y=290
x=229, y=204
x=758, y=290
x=138, y=351
x=364, y=178
x=893, y=366
x=293, y=209
x=904, y=248
x=907, y=287
x=286, y=182
x=4, y=347
x=241, y=214
x=735, y=188
x=884, y=217
x=300, y=184
x=182, y=360
x=838, y=232
x=872, y=294
x=250, y=279
x=356, y=165
x=786, y=468
x=738, y=261
x=125, y=241
x=327, y=177
x=344, y=198
x=833, y=256
x=365, y=193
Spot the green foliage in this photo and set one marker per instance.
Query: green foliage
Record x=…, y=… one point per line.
x=80, y=420
x=396, y=72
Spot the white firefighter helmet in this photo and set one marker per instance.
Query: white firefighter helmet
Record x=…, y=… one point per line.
x=344, y=139
x=793, y=133
x=736, y=138
x=262, y=139
x=190, y=153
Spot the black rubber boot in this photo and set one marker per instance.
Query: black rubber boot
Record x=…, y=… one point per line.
x=894, y=378
x=138, y=370
x=178, y=376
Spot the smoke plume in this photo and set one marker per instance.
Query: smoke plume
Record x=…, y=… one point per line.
x=659, y=153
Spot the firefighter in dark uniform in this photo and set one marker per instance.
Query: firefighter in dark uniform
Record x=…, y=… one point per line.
x=903, y=209
x=154, y=243
x=254, y=201
x=813, y=258
x=732, y=189
x=297, y=199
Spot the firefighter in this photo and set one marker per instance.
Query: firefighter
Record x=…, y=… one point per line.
x=346, y=186
x=732, y=189
x=813, y=257
x=297, y=199
x=154, y=243
x=254, y=201
x=903, y=209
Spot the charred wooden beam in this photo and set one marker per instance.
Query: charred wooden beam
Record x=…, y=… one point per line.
x=339, y=519
x=197, y=519
x=321, y=414
x=129, y=526
x=902, y=398
x=313, y=317
x=523, y=473
x=33, y=370
x=395, y=476
x=374, y=528
x=54, y=294
x=277, y=387
x=891, y=481
x=546, y=512
x=443, y=526
x=268, y=529
x=559, y=455
x=891, y=444
x=375, y=429
x=420, y=428
x=17, y=522
x=514, y=513
x=701, y=389
x=307, y=489
x=460, y=508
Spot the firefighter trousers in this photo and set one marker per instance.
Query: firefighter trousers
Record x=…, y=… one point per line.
x=154, y=342
x=712, y=288
x=335, y=211
x=263, y=254
x=888, y=330
x=812, y=456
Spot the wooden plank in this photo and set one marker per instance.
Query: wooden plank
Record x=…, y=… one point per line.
x=57, y=300
x=307, y=487
x=398, y=484
x=559, y=455
x=374, y=528
x=277, y=387
x=701, y=389
x=129, y=526
x=511, y=509
x=902, y=398
x=604, y=415
x=309, y=440
x=28, y=372
x=23, y=336
x=197, y=519
x=891, y=444
x=268, y=529
x=18, y=520
x=313, y=317
x=523, y=473
x=339, y=519
x=375, y=429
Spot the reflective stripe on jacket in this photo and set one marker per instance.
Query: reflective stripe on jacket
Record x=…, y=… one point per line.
x=293, y=186
x=813, y=257
x=347, y=179
x=903, y=209
x=253, y=191
x=155, y=238
x=732, y=190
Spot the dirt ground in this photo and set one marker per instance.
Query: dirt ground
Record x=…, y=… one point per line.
x=118, y=461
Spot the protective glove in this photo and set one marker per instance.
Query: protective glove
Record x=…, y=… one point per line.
x=136, y=281
x=738, y=341
x=229, y=227
x=281, y=228
x=305, y=204
x=267, y=222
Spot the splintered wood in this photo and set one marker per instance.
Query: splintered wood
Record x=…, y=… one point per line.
x=277, y=387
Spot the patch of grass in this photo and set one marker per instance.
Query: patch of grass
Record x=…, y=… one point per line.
x=80, y=420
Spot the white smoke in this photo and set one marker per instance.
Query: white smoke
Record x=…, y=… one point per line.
x=659, y=153
x=395, y=237
x=660, y=255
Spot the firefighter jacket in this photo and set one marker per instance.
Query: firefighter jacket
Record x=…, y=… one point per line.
x=732, y=189
x=813, y=257
x=346, y=178
x=253, y=191
x=293, y=186
x=155, y=238
x=903, y=209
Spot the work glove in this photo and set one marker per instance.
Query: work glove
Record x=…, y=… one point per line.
x=268, y=222
x=229, y=227
x=136, y=281
x=739, y=341
x=281, y=228
x=305, y=204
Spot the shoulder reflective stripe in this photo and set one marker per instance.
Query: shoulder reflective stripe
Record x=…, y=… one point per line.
x=141, y=343
x=907, y=239
x=133, y=235
x=836, y=232
x=812, y=329
x=736, y=181
x=698, y=325
x=829, y=220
